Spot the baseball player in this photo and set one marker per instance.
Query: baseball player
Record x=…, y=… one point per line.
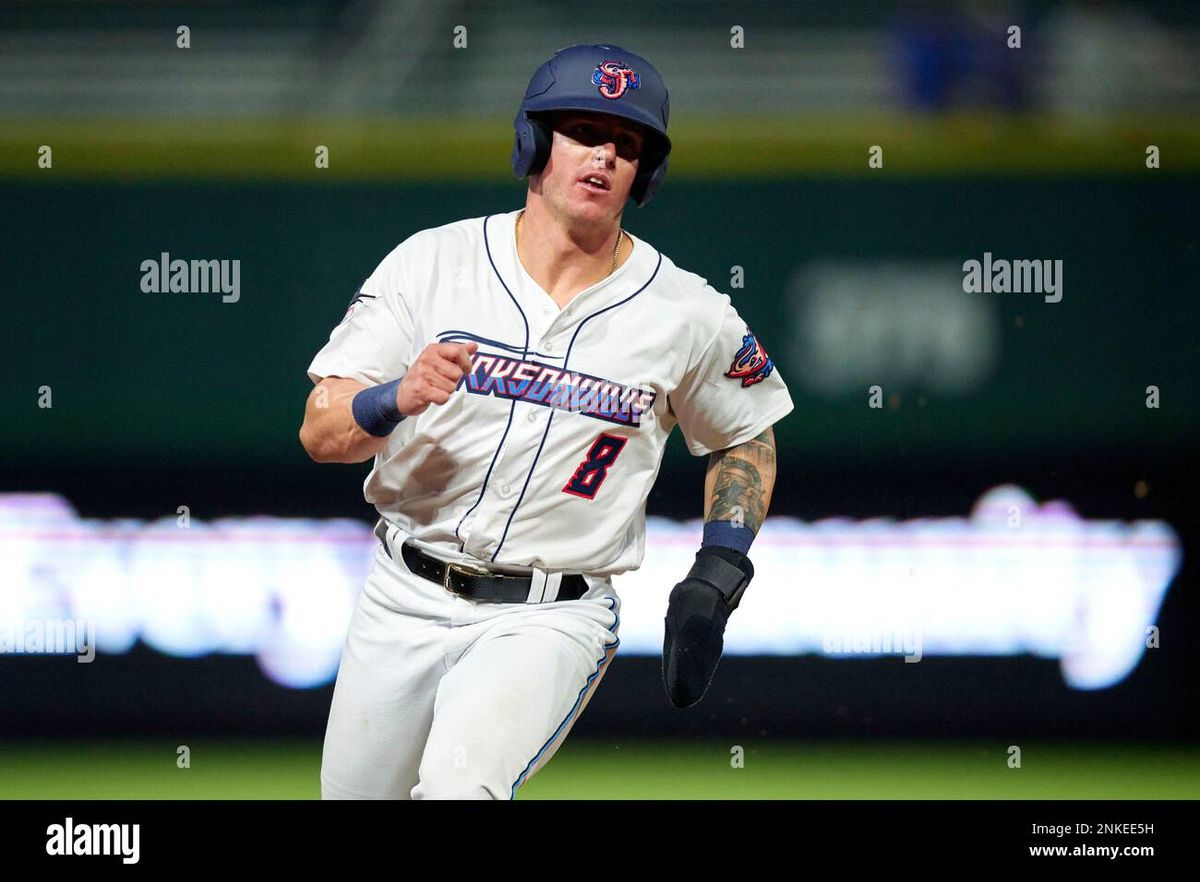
x=515, y=378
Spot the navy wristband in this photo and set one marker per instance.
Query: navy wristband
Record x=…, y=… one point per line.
x=375, y=409
x=728, y=535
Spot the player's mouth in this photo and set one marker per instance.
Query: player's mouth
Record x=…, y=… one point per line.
x=596, y=182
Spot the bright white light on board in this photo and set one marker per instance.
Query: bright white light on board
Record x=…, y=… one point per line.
x=1013, y=578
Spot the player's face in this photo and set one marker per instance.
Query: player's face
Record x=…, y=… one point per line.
x=593, y=161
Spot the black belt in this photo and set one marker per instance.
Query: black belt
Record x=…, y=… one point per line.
x=477, y=583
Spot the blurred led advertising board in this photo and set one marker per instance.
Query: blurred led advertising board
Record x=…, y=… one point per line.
x=1011, y=577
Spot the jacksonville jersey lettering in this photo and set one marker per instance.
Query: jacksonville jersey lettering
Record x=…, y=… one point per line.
x=528, y=380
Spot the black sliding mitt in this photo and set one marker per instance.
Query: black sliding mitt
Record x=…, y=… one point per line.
x=695, y=624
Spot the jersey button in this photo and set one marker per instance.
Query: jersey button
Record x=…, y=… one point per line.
x=532, y=417
x=549, y=347
x=505, y=489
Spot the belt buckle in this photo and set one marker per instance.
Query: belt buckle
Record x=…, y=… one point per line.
x=461, y=569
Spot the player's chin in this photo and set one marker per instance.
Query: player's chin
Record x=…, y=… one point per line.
x=593, y=202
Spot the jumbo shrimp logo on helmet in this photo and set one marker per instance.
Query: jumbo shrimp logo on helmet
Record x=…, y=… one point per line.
x=751, y=364
x=615, y=78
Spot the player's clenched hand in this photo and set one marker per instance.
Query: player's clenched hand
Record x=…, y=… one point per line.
x=695, y=623
x=434, y=375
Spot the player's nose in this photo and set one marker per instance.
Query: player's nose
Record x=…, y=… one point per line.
x=606, y=151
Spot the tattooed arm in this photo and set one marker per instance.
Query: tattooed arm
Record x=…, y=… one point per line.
x=739, y=481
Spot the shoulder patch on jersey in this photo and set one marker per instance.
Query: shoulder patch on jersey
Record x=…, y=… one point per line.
x=750, y=364
x=358, y=297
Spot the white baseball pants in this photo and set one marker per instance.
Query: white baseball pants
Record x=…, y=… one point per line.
x=441, y=697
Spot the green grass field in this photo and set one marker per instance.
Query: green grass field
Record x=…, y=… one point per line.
x=630, y=769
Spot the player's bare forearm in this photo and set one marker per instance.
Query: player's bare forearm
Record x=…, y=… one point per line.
x=739, y=481
x=329, y=432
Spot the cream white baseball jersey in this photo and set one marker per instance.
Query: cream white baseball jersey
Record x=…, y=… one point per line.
x=546, y=453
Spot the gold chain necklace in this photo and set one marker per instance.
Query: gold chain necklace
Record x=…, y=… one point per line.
x=616, y=250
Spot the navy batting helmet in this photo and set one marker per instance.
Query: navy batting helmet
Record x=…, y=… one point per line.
x=600, y=79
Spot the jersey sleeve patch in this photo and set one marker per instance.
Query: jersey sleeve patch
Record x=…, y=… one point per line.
x=356, y=301
x=750, y=364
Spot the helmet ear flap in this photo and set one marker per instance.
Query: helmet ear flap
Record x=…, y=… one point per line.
x=646, y=183
x=531, y=151
x=543, y=137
